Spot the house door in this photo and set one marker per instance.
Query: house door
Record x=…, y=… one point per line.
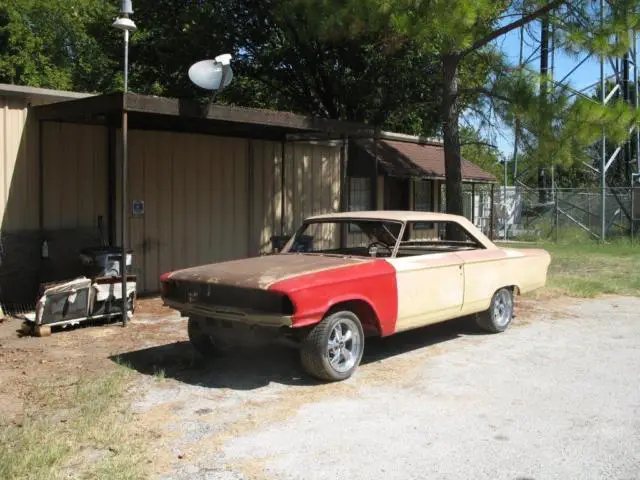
x=195, y=202
x=396, y=193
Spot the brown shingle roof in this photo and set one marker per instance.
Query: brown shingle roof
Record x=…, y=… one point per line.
x=407, y=159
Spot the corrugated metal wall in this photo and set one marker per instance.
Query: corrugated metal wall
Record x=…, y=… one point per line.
x=266, y=194
x=75, y=169
x=312, y=182
x=75, y=166
x=194, y=189
x=19, y=164
x=206, y=198
x=312, y=187
x=209, y=199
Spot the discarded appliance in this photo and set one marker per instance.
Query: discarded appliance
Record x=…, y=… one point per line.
x=80, y=300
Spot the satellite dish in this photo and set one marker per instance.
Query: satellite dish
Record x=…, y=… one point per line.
x=212, y=74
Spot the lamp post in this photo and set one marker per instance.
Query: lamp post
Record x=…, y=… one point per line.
x=124, y=23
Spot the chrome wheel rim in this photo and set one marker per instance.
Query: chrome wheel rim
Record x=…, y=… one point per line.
x=502, y=309
x=343, y=346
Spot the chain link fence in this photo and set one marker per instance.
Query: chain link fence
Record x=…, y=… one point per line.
x=520, y=213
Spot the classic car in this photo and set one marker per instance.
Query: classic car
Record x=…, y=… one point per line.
x=343, y=277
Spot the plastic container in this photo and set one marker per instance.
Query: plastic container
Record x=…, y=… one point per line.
x=104, y=261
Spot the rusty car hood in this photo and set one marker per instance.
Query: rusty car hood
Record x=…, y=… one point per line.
x=261, y=272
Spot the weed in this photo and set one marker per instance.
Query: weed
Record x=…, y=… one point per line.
x=72, y=419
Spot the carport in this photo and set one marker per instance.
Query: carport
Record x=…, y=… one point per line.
x=205, y=182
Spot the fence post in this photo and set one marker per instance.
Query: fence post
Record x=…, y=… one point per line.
x=557, y=222
x=633, y=212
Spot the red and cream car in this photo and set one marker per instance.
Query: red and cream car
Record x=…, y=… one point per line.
x=345, y=276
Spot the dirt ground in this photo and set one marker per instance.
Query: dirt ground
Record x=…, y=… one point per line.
x=255, y=415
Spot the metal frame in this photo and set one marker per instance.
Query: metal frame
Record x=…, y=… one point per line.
x=623, y=71
x=635, y=184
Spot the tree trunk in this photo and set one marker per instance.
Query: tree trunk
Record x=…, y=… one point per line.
x=451, y=133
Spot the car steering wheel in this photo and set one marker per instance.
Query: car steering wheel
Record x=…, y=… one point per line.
x=384, y=245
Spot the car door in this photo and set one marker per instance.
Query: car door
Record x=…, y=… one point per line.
x=430, y=289
x=485, y=271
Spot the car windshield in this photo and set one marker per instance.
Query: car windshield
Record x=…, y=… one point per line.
x=353, y=237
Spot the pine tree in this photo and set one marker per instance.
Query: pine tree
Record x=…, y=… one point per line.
x=463, y=32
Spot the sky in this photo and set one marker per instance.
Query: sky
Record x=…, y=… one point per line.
x=586, y=74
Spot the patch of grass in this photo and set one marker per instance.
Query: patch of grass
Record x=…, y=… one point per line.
x=587, y=268
x=159, y=374
x=79, y=428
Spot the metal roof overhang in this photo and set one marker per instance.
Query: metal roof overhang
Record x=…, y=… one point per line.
x=188, y=116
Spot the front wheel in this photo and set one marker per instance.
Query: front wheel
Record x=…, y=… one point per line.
x=333, y=349
x=206, y=345
x=500, y=313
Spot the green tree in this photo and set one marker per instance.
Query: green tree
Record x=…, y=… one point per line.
x=476, y=149
x=364, y=78
x=462, y=32
x=57, y=44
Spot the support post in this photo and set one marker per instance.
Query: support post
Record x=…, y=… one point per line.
x=504, y=200
x=283, y=195
x=473, y=203
x=44, y=247
x=374, y=190
x=123, y=226
x=125, y=166
x=491, y=214
x=344, y=187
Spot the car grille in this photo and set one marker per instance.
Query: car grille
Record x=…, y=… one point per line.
x=228, y=296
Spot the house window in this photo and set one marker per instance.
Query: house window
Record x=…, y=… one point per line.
x=423, y=196
x=359, y=194
x=359, y=197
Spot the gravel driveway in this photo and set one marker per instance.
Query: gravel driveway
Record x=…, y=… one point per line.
x=556, y=396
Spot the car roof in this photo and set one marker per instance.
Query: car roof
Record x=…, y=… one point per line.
x=407, y=216
x=389, y=215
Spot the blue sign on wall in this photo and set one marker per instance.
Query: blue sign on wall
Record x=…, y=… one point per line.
x=138, y=207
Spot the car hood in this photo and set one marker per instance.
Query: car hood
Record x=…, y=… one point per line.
x=261, y=272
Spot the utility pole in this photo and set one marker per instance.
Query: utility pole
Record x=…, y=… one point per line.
x=544, y=69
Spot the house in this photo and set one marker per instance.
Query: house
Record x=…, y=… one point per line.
x=205, y=184
x=402, y=172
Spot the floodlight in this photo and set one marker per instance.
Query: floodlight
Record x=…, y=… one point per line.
x=123, y=22
x=212, y=74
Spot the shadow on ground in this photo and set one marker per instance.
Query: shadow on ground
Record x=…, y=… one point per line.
x=251, y=368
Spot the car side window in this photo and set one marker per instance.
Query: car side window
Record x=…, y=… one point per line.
x=427, y=237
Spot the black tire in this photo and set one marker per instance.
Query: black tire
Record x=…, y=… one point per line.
x=316, y=355
x=205, y=345
x=500, y=313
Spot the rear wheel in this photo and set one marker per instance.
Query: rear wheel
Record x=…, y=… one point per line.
x=500, y=313
x=333, y=349
x=206, y=345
